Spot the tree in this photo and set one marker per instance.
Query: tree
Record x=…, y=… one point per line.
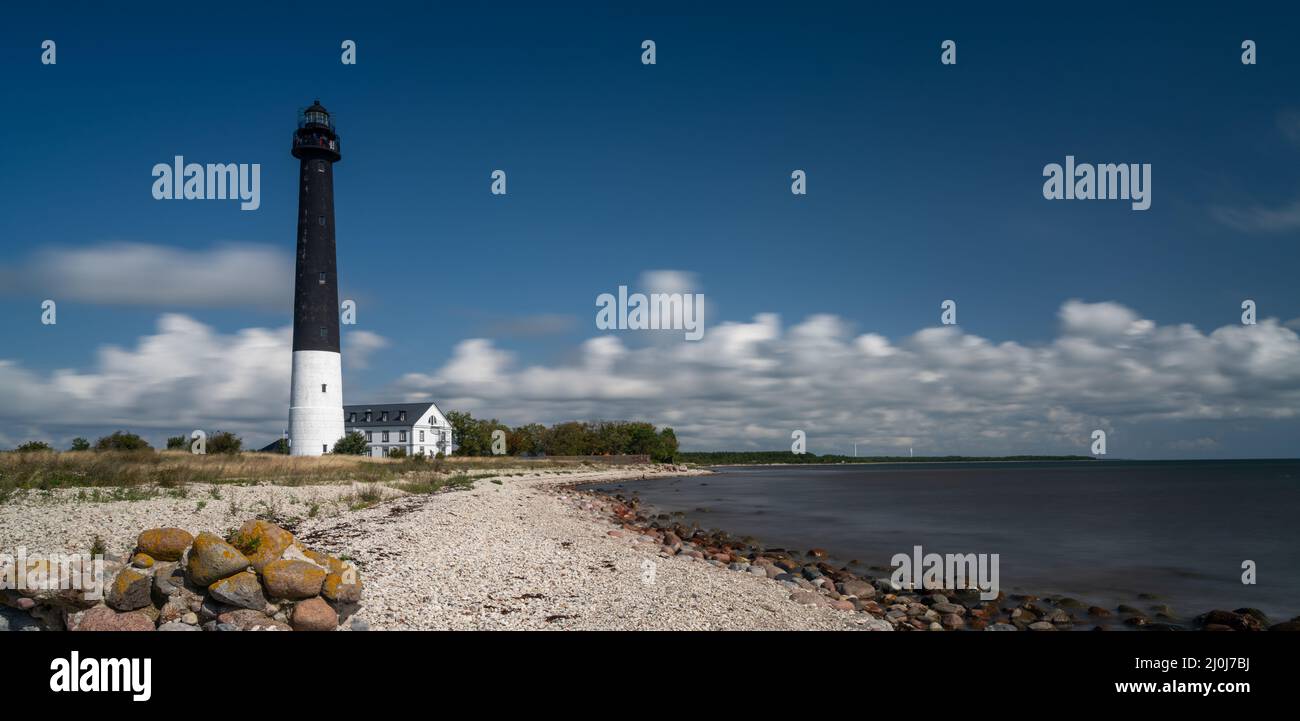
x=666, y=449
x=525, y=440
x=353, y=444
x=175, y=443
x=567, y=439
x=34, y=447
x=80, y=444
x=122, y=441
x=397, y=452
x=225, y=442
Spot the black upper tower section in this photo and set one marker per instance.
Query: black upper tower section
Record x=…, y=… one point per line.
x=315, y=293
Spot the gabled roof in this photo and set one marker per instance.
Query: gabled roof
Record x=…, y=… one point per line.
x=413, y=413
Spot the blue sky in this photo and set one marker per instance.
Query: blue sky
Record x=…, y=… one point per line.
x=924, y=183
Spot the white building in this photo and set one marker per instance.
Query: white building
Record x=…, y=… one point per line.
x=413, y=427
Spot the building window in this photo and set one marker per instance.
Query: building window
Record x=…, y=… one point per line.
x=324, y=448
x=368, y=416
x=385, y=436
x=352, y=417
x=402, y=437
x=422, y=436
x=324, y=332
x=322, y=387
x=370, y=436
x=383, y=416
x=401, y=415
x=322, y=279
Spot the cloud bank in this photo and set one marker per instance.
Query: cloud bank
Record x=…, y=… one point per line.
x=745, y=385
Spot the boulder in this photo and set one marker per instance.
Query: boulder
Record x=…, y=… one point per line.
x=294, y=580
x=343, y=583
x=178, y=626
x=164, y=544
x=129, y=591
x=241, y=590
x=262, y=542
x=212, y=559
x=142, y=560
x=855, y=587
x=314, y=614
x=102, y=618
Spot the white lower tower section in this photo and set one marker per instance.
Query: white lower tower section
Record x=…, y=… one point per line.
x=315, y=402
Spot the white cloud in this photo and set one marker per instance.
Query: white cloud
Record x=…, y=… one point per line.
x=186, y=375
x=745, y=385
x=231, y=275
x=944, y=390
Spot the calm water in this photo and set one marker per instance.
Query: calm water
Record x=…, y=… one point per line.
x=1102, y=532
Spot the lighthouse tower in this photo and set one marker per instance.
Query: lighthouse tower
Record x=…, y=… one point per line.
x=316, y=391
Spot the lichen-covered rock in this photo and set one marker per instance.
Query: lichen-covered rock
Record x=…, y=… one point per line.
x=241, y=589
x=293, y=580
x=142, y=560
x=314, y=614
x=262, y=542
x=164, y=544
x=102, y=618
x=129, y=591
x=212, y=559
x=343, y=583
x=246, y=619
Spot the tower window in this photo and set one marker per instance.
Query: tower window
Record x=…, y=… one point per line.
x=322, y=279
x=324, y=332
x=320, y=166
x=320, y=219
x=324, y=448
x=322, y=388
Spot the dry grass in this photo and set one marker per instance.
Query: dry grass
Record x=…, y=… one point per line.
x=47, y=470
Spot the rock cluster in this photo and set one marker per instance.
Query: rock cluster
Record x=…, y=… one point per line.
x=259, y=578
x=812, y=581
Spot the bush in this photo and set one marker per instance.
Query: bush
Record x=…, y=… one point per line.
x=224, y=442
x=80, y=444
x=34, y=447
x=177, y=443
x=397, y=452
x=122, y=441
x=353, y=444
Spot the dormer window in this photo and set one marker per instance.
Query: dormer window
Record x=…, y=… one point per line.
x=401, y=415
x=383, y=416
x=369, y=416
x=352, y=417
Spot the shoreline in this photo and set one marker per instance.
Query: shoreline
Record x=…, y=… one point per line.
x=812, y=580
x=520, y=550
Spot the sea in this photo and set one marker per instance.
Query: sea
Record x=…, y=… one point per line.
x=1143, y=533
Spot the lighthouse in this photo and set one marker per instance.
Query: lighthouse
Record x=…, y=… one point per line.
x=316, y=391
